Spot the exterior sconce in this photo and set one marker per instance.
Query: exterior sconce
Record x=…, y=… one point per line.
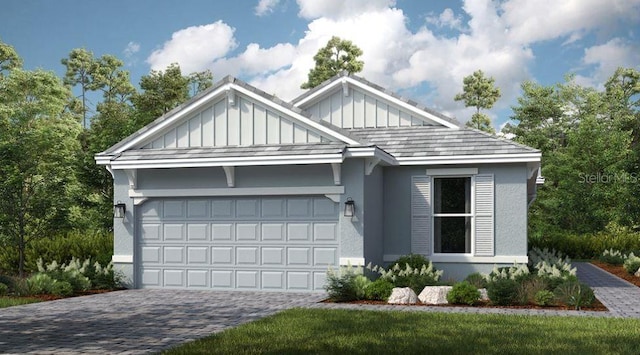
x=349, y=208
x=119, y=210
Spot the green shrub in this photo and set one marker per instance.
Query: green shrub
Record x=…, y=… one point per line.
x=632, y=264
x=529, y=288
x=463, y=293
x=4, y=289
x=574, y=294
x=21, y=287
x=477, y=280
x=502, y=292
x=61, y=288
x=416, y=273
x=379, y=290
x=39, y=284
x=544, y=298
x=360, y=284
x=72, y=273
x=341, y=286
x=7, y=280
x=613, y=257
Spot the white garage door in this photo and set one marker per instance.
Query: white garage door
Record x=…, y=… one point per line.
x=260, y=243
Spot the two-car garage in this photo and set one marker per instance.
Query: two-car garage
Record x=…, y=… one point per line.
x=252, y=243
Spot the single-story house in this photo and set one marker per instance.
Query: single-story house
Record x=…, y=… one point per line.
x=237, y=189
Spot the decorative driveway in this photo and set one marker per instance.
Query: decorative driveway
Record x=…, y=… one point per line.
x=134, y=321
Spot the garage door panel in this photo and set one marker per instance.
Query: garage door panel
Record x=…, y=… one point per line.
x=151, y=254
x=223, y=209
x=272, y=280
x=325, y=232
x=273, y=256
x=299, y=232
x=174, y=209
x=272, y=231
x=222, y=255
x=222, y=231
x=174, y=232
x=174, y=255
x=247, y=255
x=325, y=256
x=197, y=278
x=247, y=279
x=151, y=232
x=174, y=278
x=274, y=243
x=197, y=255
x=197, y=232
x=222, y=279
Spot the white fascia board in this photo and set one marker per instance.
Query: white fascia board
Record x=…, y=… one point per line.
x=232, y=161
x=176, y=116
x=308, y=122
x=103, y=160
x=470, y=159
x=378, y=93
x=370, y=152
x=238, y=191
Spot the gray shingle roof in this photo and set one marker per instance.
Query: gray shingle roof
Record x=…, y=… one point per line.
x=234, y=152
x=378, y=88
x=419, y=141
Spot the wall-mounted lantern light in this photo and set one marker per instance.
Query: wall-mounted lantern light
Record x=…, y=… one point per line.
x=349, y=208
x=119, y=209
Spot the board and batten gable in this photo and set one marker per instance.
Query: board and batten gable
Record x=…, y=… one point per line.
x=359, y=109
x=242, y=123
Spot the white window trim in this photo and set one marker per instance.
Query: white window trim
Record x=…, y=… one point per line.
x=472, y=214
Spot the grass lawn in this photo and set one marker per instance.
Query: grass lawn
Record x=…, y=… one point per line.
x=315, y=331
x=6, y=301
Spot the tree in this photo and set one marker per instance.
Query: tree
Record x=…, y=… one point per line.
x=479, y=92
x=38, y=145
x=80, y=66
x=107, y=76
x=163, y=90
x=200, y=81
x=336, y=56
x=9, y=58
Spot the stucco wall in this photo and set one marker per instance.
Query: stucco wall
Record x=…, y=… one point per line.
x=374, y=218
x=510, y=212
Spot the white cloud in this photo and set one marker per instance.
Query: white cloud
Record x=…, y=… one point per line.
x=336, y=9
x=255, y=60
x=447, y=18
x=131, y=49
x=265, y=7
x=194, y=48
x=606, y=58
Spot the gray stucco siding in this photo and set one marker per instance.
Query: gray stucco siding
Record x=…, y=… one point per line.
x=510, y=215
x=374, y=218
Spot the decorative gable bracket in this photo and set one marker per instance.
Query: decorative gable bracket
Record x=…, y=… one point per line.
x=230, y=172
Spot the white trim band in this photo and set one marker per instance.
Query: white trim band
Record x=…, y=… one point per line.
x=122, y=259
x=461, y=258
x=123, y=163
x=238, y=191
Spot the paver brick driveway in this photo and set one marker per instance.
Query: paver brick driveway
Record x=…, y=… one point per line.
x=134, y=321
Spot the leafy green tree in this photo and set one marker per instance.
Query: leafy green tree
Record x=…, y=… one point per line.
x=80, y=66
x=38, y=145
x=337, y=56
x=9, y=58
x=479, y=92
x=108, y=76
x=162, y=91
x=199, y=82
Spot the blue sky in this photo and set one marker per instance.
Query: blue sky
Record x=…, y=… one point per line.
x=421, y=49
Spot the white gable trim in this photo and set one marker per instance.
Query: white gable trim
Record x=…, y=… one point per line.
x=382, y=95
x=306, y=121
x=232, y=89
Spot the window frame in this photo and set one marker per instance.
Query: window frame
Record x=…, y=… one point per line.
x=471, y=214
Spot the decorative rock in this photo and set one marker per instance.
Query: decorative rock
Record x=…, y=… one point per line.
x=402, y=295
x=434, y=294
x=484, y=296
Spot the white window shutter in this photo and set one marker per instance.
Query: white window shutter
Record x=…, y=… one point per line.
x=484, y=205
x=421, y=215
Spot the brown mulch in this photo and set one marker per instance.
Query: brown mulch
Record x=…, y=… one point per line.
x=597, y=306
x=617, y=270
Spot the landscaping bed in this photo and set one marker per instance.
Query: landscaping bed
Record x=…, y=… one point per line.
x=597, y=306
x=617, y=270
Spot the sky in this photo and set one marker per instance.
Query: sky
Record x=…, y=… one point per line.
x=417, y=48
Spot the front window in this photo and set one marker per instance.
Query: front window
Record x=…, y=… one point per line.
x=452, y=215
